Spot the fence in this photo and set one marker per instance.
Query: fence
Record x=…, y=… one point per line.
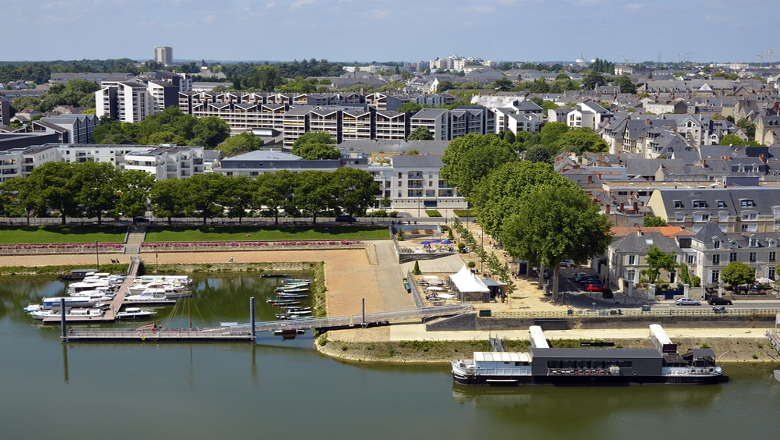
x=269, y=221
x=415, y=293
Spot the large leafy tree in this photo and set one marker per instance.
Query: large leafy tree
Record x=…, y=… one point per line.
x=133, y=188
x=538, y=154
x=24, y=198
x=410, y=107
x=592, y=80
x=556, y=223
x=313, y=192
x=237, y=197
x=581, y=140
x=53, y=184
x=470, y=158
x=240, y=143
x=653, y=221
x=168, y=198
x=736, y=273
x=203, y=194
x=656, y=260
x=96, y=190
x=265, y=78
x=353, y=189
x=315, y=145
x=275, y=191
x=420, y=134
x=626, y=86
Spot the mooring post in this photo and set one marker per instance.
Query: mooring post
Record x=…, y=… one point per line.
x=363, y=323
x=252, y=315
x=62, y=319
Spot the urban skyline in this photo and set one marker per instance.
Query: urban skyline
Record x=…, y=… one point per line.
x=342, y=30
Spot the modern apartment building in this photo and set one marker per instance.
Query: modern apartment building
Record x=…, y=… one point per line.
x=164, y=55
x=148, y=94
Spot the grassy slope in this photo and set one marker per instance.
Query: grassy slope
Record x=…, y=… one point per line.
x=61, y=234
x=255, y=233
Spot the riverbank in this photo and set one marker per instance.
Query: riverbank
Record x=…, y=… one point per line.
x=410, y=344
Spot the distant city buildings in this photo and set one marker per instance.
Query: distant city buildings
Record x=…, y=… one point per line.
x=164, y=55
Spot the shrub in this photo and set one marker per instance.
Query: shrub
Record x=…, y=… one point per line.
x=400, y=236
x=472, y=265
x=378, y=213
x=695, y=281
x=392, y=214
x=462, y=247
x=416, y=270
x=755, y=356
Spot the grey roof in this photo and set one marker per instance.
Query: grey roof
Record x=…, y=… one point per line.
x=421, y=160
x=731, y=199
x=595, y=353
x=400, y=146
x=708, y=232
x=640, y=242
x=429, y=113
x=265, y=155
x=648, y=167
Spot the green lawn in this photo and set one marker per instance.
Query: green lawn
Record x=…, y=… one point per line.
x=256, y=233
x=68, y=234
x=433, y=212
x=464, y=212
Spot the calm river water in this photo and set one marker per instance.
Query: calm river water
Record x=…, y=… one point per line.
x=285, y=389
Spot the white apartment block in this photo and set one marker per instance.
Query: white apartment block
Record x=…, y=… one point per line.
x=414, y=182
x=164, y=55
x=163, y=162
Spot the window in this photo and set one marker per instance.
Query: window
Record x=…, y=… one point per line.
x=716, y=259
x=753, y=242
x=723, y=217
x=770, y=273
x=749, y=216
x=752, y=257
x=678, y=204
x=717, y=244
x=746, y=203
x=715, y=276
x=749, y=228
x=680, y=217
x=699, y=204
x=630, y=275
x=701, y=217
x=630, y=260
x=721, y=204
x=732, y=257
x=691, y=259
x=772, y=257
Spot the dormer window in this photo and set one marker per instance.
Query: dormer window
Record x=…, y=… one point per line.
x=678, y=204
x=699, y=204
x=721, y=204
x=746, y=203
x=716, y=244
x=753, y=242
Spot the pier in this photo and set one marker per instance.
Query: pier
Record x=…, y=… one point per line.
x=244, y=332
x=116, y=303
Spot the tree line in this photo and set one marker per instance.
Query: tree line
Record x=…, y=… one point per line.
x=537, y=214
x=100, y=190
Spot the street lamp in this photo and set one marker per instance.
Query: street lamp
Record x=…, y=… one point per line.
x=97, y=255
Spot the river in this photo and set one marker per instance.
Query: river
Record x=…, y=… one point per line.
x=285, y=389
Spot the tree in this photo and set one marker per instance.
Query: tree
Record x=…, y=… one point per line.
x=202, y=192
x=656, y=260
x=238, y=196
x=316, y=152
x=537, y=153
x=626, y=85
x=444, y=85
x=95, y=188
x=53, y=184
x=653, y=221
x=470, y=158
x=312, y=192
x=274, y=192
x=556, y=223
x=265, y=78
x=593, y=80
x=580, y=141
x=314, y=137
x=413, y=152
x=410, y=107
x=210, y=132
x=240, y=143
x=24, y=197
x=167, y=198
x=502, y=84
x=498, y=195
x=736, y=273
x=749, y=126
x=732, y=139
x=133, y=188
x=420, y=134
x=353, y=190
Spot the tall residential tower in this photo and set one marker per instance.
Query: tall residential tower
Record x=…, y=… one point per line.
x=163, y=55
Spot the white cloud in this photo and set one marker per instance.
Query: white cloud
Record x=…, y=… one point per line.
x=377, y=14
x=483, y=9
x=300, y=3
x=633, y=6
x=208, y=19
x=270, y=5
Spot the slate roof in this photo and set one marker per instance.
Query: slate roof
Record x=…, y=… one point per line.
x=639, y=242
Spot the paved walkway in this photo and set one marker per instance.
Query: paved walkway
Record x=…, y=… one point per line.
x=134, y=239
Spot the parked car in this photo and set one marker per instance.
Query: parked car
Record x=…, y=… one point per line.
x=589, y=279
x=345, y=218
x=580, y=275
x=595, y=287
x=687, y=302
x=718, y=301
x=568, y=264
x=719, y=309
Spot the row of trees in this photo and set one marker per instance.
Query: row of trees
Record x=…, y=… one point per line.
x=40, y=71
x=169, y=126
x=99, y=190
x=76, y=92
x=538, y=215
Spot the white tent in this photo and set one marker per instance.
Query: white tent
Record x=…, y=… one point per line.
x=465, y=281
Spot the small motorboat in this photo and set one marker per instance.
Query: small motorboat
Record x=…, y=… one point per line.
x=292, y=289
x=290, y=295
x=135, y=313
x=289, y=331
x=299, y=312
x=283, y=302
x=273, y=275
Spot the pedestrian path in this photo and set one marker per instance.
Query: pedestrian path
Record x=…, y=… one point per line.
x=134, y=239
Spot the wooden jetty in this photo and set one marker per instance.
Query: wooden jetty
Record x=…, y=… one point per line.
x=158, y=334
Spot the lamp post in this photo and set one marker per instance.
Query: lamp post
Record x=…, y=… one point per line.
x=97, y=255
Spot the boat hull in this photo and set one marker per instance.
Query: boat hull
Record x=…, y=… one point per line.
x=615, y=380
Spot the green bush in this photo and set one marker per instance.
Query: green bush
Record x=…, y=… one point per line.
x=400, y=236
x=378, y=213
x=695, y=281
x=462, y=247
x=471, y=265
x=392, y=214
x=416, y=270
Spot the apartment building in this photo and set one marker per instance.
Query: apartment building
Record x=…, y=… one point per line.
x=164, y=55
x=414, y=182
x=357, y=124
x=70, y=128
x=435, y=120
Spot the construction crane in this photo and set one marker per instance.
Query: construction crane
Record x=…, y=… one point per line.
x=761, y=55
x=659, y=57
x=770, y=52
x=688, y=56
x=628, y=60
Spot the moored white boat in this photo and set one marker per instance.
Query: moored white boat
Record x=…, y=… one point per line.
x=135, y=313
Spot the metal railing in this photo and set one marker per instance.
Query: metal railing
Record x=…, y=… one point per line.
x=774, y=339
x=415, y=293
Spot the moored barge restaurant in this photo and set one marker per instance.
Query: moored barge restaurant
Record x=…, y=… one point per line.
x=591, y=366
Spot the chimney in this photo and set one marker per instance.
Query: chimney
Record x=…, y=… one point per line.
x=728, y=158
x=762, y=157
x=622, y=206
x=723, y=157
x=636, y=207
x=704, y=163
x=590, y=179
x=607, y=208
x=647, y=122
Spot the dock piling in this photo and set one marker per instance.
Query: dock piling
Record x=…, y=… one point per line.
x=252, y=315
x=62, y=320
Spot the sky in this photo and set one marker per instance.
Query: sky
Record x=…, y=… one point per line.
x=391, y=30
